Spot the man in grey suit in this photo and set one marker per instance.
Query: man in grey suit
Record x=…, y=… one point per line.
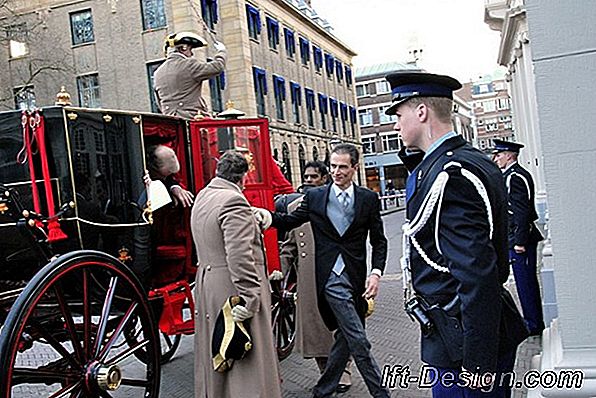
x=342, y=215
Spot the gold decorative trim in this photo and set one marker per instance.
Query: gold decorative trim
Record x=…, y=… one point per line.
x=72, y=116
x=107, y=118
x=136, y=119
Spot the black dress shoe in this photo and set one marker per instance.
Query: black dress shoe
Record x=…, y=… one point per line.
x=341, y=388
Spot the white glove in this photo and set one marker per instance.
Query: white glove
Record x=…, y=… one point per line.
x=263, y=217
x=276, y=276
x=240, y=313
x=219, y=46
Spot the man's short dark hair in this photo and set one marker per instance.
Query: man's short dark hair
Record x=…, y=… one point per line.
x=319, y=166
x=232, y=166
x=350, y=149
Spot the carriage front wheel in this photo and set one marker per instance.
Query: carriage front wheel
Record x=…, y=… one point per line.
x=283, y=313
x=64, y=334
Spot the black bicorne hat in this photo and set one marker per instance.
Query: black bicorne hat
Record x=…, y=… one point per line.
x=231, y=340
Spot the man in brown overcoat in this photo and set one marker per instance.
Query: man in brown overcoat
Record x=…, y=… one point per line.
x=179, y=80
x=232, y=262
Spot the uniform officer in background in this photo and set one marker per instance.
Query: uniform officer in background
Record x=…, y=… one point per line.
x=179, y=80
x=455, y=246
x=523, y=233
x=313, y=339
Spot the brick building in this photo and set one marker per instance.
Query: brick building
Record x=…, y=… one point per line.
x=380, y=142
x=283, y=62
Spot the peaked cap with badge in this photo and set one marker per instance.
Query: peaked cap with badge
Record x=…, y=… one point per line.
x=406, y=85
x=506, y=146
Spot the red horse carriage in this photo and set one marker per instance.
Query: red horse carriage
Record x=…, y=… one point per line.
x=77, y=316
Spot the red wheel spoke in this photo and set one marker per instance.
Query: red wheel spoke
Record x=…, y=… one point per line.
x=168, y=340
x=69, y=323
x=135, y=382
x=86, y=313
x=41, y=376
x=106, y=349
x=67, y=390
x=105, y=314
x=126, y=353
x=55, y=344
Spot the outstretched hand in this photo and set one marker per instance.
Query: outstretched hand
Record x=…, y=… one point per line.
x=182, y=196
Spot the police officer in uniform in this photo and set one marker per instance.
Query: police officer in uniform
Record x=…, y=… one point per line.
x=179, y=80
x=523, y=233
x=455, y=245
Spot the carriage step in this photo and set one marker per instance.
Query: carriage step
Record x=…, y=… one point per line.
x=175, y=296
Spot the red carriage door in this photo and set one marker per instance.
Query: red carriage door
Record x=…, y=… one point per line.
x=210, y=138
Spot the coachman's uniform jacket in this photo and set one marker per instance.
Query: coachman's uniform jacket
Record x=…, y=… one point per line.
x=522, y=213
x=231, y=262
x=352, y=244
x=179, y=81
x=461, y=249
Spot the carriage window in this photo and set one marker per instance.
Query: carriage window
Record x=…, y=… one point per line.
x=154, y=14
x=151, y=68
x=81, y=26
x=88, y=87
x=24, y=98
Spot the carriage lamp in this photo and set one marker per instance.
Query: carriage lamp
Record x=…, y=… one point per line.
x=63, y=97
x=230, y=112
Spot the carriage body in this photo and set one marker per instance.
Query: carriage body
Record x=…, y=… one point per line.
x=95, y=159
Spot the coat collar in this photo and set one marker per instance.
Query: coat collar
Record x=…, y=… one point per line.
x=221, y=183
x=426, y=164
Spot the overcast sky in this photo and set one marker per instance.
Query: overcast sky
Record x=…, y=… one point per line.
x=455, y=39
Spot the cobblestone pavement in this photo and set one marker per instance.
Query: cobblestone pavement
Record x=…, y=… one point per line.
x=394, y=337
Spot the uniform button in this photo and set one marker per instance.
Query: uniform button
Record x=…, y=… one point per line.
x=301, y=234
x=180, y=103
x=450, y=153
x=301, y=244
x=207, y=316
x=303, y=254
x=167, y=107
x=208, y=268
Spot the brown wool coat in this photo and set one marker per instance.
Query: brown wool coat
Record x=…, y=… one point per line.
x=179, y=80
x=313, y=338
x=231, y=262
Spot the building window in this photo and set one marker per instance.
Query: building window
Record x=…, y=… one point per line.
x=383, y=118
x=390, y=142
x=318, y=57
x=88, y=88
x=154, y=14
x=323, y=110
x=260, y=80
x=301, y=160
x=503, y=103
x=383, y=87
x=272, y=33
x=348, y=76
x=329, y=65
x=343, y=110
x=315, y=153
x=489, y=106
x=362, y=90
x=17, y=36
x=482, y=88
x=296, y=100
x=285, y=155
x=353, y=120
x=24, y=98
x=254, y=21
x=216, y=85
x=209, y=13
x=334, y=112
x=290, y=43
x=304, y=51
x=368, y=144
x=309, y=96
x=279, y=89
x=339, y=70
x=365, y=117
x=151, y=68
x=81, y=27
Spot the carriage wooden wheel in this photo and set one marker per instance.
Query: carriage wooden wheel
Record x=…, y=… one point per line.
x=73, y=314
x=283, y=313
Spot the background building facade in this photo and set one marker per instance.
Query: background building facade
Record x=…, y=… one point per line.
x=283, y=63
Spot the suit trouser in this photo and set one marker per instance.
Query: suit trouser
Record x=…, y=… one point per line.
x=500, y=389
x=350, y=338
x=528, y=290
